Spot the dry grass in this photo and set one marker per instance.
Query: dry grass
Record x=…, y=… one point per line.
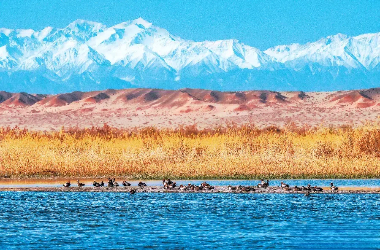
x=189, y=153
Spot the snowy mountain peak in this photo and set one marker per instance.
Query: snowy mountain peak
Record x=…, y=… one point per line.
x=5, y=31
x=88, y=55
x=142, y=22
x=84, y=25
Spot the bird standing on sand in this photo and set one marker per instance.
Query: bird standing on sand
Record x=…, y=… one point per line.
x=333, y=188
x=126, y=184
x=141, y=184
x=283, y=185
x=168, y=184
x=80, y=184
x=110, y=182
x=67, y=184
x=297, y=188
x=263, y=184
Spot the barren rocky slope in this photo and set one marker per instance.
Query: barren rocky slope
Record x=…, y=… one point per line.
x=171, y=108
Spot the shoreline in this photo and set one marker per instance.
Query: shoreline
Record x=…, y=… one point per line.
x=214, y=178
x=217, y=189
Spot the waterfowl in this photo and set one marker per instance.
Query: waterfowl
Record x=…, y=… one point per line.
x=168, y=184
x=141, y=184
x=126, y=184
x=173, y=185
x=110, y=183
x=67, y=184
x=283, y=185
x=263, y=184
x=114, y=183
x=80, y=184
x=231, y=188
x=206, y=186
x=296, y=188
x=102, y=184
x=96, y=184
x=132, y=191
x=317, y=189
x=307, y=193
x=333, y=188
x=245, y=189
x=182, y=188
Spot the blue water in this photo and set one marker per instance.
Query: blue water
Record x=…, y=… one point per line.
x=56, y=220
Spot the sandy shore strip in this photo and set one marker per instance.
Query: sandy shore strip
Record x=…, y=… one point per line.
x=216, y=189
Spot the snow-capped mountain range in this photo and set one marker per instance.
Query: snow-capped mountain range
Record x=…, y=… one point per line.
x=88, y=56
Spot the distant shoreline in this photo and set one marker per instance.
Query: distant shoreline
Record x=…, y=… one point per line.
x=217, y=189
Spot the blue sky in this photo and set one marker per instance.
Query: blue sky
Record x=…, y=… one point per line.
x=261, y=24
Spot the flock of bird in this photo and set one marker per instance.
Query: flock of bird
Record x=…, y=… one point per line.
x=111, y=183
x=168, y=184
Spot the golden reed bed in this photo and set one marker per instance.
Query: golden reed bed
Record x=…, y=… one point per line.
x=188, y=153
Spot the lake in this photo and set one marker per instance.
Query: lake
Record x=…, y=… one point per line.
x=55, y=220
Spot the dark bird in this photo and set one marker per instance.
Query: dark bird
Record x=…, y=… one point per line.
x=96, y=184
x=141, y=184
x=126, y=184
x=206, y=186
x=168, y=184
x=133, y=191
x=283, y=185
x=244, y=189
x=102, y=184
x=297, y=188
x=191, y=186
x=80, y=184
x=67, y=184
x=110, y=183
x=333, y=188
x=114, y=183
x=263, y=184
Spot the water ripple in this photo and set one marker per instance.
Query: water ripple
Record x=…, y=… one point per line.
x=188, y=221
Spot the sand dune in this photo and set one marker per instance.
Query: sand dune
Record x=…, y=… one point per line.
x=170, y=108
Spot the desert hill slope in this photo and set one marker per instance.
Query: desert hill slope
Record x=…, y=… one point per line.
x=139, y=107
